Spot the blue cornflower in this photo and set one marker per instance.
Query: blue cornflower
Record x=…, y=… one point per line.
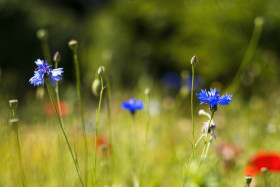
x=44, y=71
x=132, y=105
x=213, y=98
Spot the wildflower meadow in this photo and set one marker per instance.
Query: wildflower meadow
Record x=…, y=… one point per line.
x=139, y=93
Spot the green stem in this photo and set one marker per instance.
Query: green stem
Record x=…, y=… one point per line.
x=148, y=120
x=198, y=141
x=96, y=128
x=193, y=134
x=46, y=50
x=146, y=139
x=50, y=91
x=208, y=145
x=108, y=86
x=265, y=179
x=192, y=110
x=207, y=134
x=133, y=155
x=13, y=113
x=196, y=144
x=23, y=178
x=57, y=98
x=78, y=86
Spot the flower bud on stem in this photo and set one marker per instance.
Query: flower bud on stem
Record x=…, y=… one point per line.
x=42, y=35
x=14, y=124
x=73, y=45
x=97, y=122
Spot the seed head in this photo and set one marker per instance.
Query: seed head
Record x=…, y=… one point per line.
x=193, y=60
x=73, y=44
x=248, y=180
x=42, y=34
x=13, y=104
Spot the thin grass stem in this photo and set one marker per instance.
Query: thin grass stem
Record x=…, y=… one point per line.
x=108, y=95
x=96, y=128
x=78, y=87
x=23, y=177
x=51, y=94
x=193, y=152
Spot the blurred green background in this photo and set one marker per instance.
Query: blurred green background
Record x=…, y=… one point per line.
x=139, y=41
x=135, y=38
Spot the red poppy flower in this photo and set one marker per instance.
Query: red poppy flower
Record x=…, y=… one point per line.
x=263, y=159
x=65, y=108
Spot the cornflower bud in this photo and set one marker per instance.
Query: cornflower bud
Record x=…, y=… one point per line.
x=57, y=57
x=96, y=87
x=73, y=44
x=42, y=34
x=193, y=60
x=101, y=70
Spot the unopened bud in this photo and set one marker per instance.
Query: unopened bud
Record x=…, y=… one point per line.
x=42, y=34
x=264, y=170
x=259, y=21
x=57, y=57
x=96, y=87
x=147, y=91
x=248, y=180
x=14, y=122
x=73, y=44
x=13, y=104
x=193, y=60
x=101, y=70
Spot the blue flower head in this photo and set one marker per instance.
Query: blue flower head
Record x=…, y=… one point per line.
x=44, y=71
x=213, y=98
x=132, y=105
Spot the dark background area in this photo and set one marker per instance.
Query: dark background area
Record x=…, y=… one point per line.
x=140, y=38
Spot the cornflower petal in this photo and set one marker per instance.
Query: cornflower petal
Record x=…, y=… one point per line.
x=132, y=105
x=43, y=71
x=225, y=99
x=203, y=96
x=39, y=62
x=213, y=97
